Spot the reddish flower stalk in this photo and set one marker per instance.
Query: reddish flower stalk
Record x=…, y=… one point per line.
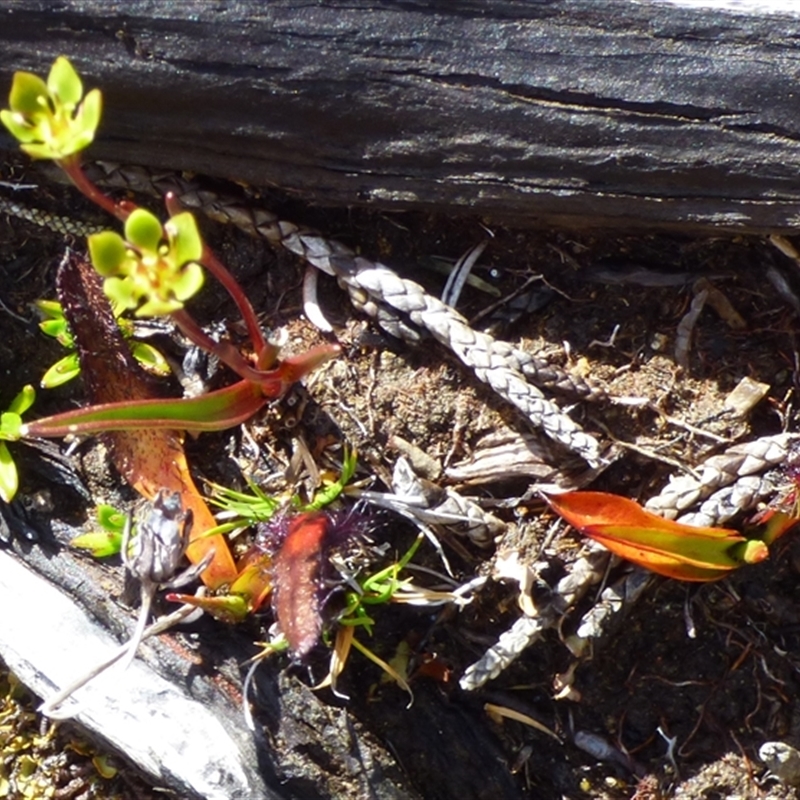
x=74, y=171
x=223, y=275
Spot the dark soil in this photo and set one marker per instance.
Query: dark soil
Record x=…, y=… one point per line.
x=715, y=668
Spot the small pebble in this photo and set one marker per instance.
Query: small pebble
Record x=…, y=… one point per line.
x=746, y=396
x=782, y=760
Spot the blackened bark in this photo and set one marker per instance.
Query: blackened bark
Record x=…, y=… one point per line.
x=567, y=111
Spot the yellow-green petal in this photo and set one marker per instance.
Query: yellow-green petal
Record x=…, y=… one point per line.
x=185, y=238
x=107, y=252
x=63, y=82
x=120, y=292
x=21, y=130
x=28, y=94
x=143, y=230
x=90, y=111
x=188, y=282
x=156, y=307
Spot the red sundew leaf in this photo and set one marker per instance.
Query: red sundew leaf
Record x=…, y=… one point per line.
x=150, y=459
x=296, y=568
x=666, y=547
x=299, y=545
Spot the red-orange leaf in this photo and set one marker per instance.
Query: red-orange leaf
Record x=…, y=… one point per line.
x=669, y=548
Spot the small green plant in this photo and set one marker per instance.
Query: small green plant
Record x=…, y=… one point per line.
x=365, y=594
x=243, y=509
x=10, y=424
x=65, y=369
x=107, y=541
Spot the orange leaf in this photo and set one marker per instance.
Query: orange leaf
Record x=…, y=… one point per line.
x=666, y=547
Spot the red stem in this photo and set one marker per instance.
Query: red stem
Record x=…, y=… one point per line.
x=271, y=382
x=223, y=275
x=74, y=171
x=225, y=351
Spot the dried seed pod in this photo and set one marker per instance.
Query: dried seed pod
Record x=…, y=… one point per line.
x=747, y=458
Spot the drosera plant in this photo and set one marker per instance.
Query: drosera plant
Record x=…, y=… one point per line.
x=365, y=592
x=10, y=424
x=152, y=269
x=259, y=568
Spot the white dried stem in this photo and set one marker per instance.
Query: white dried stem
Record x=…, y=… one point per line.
x=582, y=575
x=475, y=349
x=726, y=503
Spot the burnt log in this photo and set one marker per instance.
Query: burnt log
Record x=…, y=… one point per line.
x=563, y=111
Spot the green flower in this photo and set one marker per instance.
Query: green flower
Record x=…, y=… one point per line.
x=153, y=269
x=53, y=119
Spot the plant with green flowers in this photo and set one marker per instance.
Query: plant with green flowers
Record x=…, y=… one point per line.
x=151, y=269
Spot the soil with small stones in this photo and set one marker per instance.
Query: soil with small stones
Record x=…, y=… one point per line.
x=675, y=702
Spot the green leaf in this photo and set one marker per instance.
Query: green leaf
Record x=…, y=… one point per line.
x=111, y=518
x=9, y=480
x=53, y=327
x=50, y=308
x=63, y=371
x=330, y=493
x=23, y=401
x=214, y=411
x=150, y=358
x=10, y=425
x=143, y=230
x=63, y=82
x=255, y=507
x=107, y=251
x=99, y=543
x=108, y=541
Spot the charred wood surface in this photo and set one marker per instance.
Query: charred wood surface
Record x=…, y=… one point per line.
x=565, y=111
